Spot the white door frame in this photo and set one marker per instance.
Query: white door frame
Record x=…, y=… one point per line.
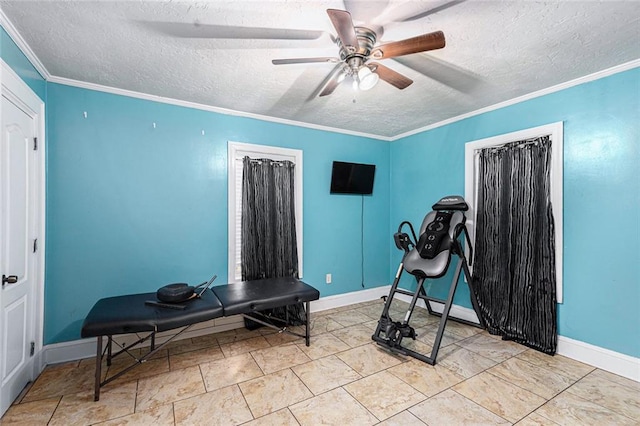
x=556, y=132
x=16, y=90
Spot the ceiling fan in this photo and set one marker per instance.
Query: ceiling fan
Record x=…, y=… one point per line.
x=357, y=48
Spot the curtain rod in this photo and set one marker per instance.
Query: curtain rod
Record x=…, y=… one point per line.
x=514, y=144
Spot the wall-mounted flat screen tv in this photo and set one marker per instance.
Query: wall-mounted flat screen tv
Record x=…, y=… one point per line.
x=352, y=178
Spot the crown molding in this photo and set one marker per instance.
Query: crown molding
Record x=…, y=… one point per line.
x=194, y=105
x=558, y=87
x=31, y=56
x=11, y=30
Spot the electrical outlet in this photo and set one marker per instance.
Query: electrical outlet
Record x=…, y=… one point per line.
x=328, y=278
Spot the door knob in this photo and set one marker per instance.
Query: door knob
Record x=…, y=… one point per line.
x=11, y=279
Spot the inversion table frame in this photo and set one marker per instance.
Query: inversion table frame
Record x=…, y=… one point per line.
x=389, y=334
x=129, y=314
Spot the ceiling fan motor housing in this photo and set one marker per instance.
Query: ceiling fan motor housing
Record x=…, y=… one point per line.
x=356, y=56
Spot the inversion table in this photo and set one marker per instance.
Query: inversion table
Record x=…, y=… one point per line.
x=428, y=257
x=130, y=314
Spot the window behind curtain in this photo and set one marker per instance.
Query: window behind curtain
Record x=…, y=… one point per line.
x=236, y=152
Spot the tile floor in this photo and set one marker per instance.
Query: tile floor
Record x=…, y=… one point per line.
x=264, y=378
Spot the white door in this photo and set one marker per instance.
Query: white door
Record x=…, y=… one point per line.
x=18, y=224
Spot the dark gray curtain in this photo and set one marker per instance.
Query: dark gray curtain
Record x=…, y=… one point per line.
x=514, y=272
x=269, y=246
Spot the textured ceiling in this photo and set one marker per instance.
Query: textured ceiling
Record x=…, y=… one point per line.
x=219, y=53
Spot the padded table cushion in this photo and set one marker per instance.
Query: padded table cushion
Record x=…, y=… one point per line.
x=247, y=296
x=129, y=314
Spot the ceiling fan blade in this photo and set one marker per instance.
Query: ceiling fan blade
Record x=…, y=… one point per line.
x=303, y=60
x=198, y=30
x=341, y=20
x=365, y=11
x=392, y=77
x=436, y=9
x=332, y=81
x=421, y=43
x=448, y=74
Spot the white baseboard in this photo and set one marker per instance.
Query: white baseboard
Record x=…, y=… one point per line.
x=86, y=348
x=346, y=299
x=456, y=311
x=605, y=359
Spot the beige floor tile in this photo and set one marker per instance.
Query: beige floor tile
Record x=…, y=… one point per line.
x=30, y=413
x=323, y=345
x=462, y=361
x=423, y=347
x=450, y=408
x=140, y=352
x=224, y=406
x=535, y=419
x=189, y=359
x=276, y=338
x=426, y=378
x=428, y=336
x=206, y=340
x=373, y=311
x=615, y=397
x=278, y=358
x=279, y=418
x=623, y=381
x=335, y=407
x=188, y=345
x=497, y=350
x=148, y=368
x=399, y=306
x=420, y=316
x=63, y=379
x=237, y=335
x=383, y=394
x=81, y=409
x=229, y=371
x=325, y=312
x=356, y=335
x=462, y=330
x=404, y=418
x=503, y=398
x=243, y=346
x=169, y=387
x=568, y=409
x=322, y=324
x=325, y=374
x=161, y=415
x=349, y=318
x=369, y=359
x=560, y=364
x=273, y=392
x=533, y=378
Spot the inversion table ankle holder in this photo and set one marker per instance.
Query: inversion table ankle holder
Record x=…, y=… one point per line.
x=428, y=257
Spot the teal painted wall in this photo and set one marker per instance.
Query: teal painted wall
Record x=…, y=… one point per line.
x=130, y=207
x=601, y=198
x=13, y=56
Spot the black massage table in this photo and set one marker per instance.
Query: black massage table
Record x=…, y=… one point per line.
x=130, y=314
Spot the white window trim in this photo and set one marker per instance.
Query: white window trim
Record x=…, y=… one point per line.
x=240, y=150
x=555, y=131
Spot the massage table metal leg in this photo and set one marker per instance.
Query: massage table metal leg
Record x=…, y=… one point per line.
x=109, y=350
x=96, y=394
x=307, y=314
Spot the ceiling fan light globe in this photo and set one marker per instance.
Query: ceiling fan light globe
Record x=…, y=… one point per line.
x=367, y=78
